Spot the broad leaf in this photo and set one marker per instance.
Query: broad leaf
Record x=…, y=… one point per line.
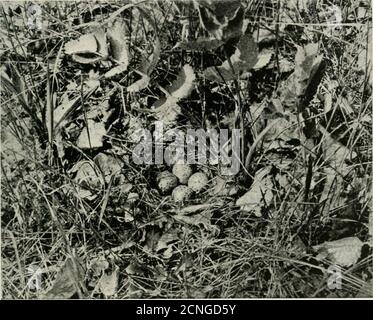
x=92, y=135
x=165, y=243
x=109, y=165
x=98, y=265
x=244, y=58
x=335, y=156
x=203, y=218
x=344, y=252
x=67, y=281
x=87, y=179
x=63, y=110
x=301, y=86
x=222, y=18
x=108, y=283
x=260, y=193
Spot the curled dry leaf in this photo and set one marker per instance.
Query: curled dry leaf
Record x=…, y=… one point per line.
x=263, y=60
x=85, y=44
x=244, y=58
x=147, y=64
x=140, y=84
x=167, y=109
x=89, y=48
x=118, y=40
x=344, y=252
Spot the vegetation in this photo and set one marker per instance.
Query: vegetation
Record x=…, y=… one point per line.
x=80, y=219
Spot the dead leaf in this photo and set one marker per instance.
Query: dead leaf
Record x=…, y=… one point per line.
x=263, y=60
x=92, y=135
x=117, y=36
x=135, y=268
x=139, y=84
x=165, y=243
x=118, y=40
x=285, y=65
x=203, y=218
x=244, y=58
x=13, y=145
x=67, y=281
x=223, y=19
x=282, y=129
x=335, y=153
x=167, y=109
x=301, y=86
x=267, y=34
x=260, y=193
x=98, y=265
x=87, y=179
x=89, y=48
x=147, y=66
x=335, y=156
x=108, y=164
x=344, y=252
x=85, y=44
x=108, y=283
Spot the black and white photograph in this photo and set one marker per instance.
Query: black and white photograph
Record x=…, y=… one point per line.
x=196, y=149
